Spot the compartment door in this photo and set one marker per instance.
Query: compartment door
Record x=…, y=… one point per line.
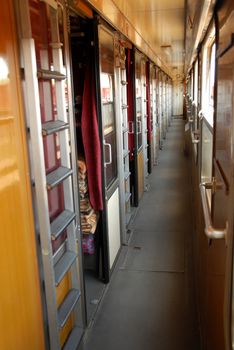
x=109, y=133
x=219, y=218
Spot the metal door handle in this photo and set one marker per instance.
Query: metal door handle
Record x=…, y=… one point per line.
x=131, y=127
x=196, y=141
x=190, y=120
x=110, y=153
x=210, y=231
x=200, y=114
x=139, y=127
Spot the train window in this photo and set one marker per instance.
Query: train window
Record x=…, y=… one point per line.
x=196, y=83
x=108, y=105
x=208, y=78
x=212, y=79
x=191, y=86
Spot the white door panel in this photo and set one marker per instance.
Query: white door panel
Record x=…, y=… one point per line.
x=113, y=226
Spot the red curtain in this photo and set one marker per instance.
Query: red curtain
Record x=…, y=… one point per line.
x=91, y=140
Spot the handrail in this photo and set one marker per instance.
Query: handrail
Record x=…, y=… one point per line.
x=193, y=138
x=108, y=145
x=210, y=231
x=200, y=114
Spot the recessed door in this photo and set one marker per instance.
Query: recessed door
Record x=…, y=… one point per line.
x=217, y=197
x=109, y=132
x=138, y=125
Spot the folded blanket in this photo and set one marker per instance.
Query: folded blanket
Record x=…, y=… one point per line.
x=82, y=167
x=89, y=217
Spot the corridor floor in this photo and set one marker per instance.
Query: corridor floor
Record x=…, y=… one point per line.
x=150, y=302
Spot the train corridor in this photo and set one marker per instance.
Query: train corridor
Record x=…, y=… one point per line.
x=150, y=302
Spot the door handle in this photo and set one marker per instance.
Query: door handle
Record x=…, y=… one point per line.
x=110, y=154
x=131, y=127
x=190, y=120
x=139, y=127
x=200, y=114
x=194, y=140
x=210, y=231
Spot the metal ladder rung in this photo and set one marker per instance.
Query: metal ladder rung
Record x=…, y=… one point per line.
x=125, y=153
x=60, y=223
x=49, y=74
x=127, y=219
x=126, y=175
x=124, y=106
x=73, y=339
x=55, y=177
x=63, y=265
x=53, y=126
x=127, y=196
x=67, y=306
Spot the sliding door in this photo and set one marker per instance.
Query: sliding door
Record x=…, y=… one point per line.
x=109, y=138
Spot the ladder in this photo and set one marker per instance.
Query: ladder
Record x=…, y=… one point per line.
x=125, y=131
x=144, y=125
x=48, y=87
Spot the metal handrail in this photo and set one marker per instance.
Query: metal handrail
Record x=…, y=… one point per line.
x=210, y=231
x=196, y=141
x=108, y=145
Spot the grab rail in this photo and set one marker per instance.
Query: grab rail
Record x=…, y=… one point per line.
x=210, y=231
x=194, y=140
x=108, y=145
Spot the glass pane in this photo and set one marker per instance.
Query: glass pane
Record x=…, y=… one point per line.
x=108, y=106
x=207, y=153
x=224, y=116
x=138, y=101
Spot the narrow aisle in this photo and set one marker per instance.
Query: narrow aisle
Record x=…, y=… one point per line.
x=150, y=302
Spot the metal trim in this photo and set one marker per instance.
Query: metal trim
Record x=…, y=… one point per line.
x=210, y=231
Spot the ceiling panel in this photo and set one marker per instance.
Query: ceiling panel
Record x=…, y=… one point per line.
x=159, y=22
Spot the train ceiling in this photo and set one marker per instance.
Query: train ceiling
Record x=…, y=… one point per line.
x=155, y=26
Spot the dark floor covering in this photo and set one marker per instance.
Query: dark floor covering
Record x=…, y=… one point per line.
x=149, y=303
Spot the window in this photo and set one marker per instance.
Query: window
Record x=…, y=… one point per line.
x=208, y=77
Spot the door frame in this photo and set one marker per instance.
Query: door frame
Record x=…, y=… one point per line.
x=106, y=193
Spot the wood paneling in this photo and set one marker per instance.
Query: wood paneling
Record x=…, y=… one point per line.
x=20, y=301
